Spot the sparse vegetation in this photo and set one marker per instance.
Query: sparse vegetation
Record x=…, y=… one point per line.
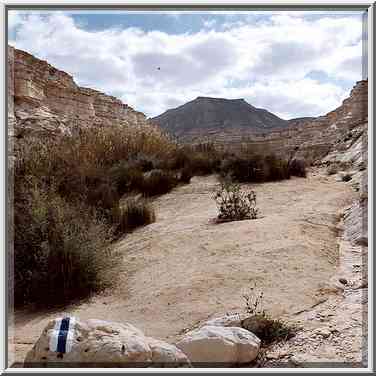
x=269, y=330
x=235, y=204
x=66, y=206
x=258, y=168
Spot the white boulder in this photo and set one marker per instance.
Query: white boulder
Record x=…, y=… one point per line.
x=218, y=344
x=103, y=344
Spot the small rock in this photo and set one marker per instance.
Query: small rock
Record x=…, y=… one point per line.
x=343, y=281
x=272, y=356
x=323, y=332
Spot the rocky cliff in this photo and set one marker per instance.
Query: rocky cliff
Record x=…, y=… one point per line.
x=42, y=98
x=313, y=138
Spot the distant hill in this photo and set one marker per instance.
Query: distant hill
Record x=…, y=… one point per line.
x=205, y=115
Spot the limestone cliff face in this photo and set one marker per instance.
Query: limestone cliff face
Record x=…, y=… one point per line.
x=42, y=98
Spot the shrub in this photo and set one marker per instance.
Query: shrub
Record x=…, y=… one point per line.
x=202, y=163
x=126, y=177
x=346, y=177
x=254, y=168
x=241, y=170
x=269, y=330
x=234, y=204
x=134, y=213
x=278, y=168
x=157, y=182
x=297, y=167
x=61, y=251
x=185, y=175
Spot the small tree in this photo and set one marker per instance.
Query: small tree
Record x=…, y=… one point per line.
x=234, y=204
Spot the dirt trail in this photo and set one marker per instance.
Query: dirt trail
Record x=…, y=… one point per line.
x=182, y=269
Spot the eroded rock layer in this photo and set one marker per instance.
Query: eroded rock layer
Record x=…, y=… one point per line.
x=42, y=98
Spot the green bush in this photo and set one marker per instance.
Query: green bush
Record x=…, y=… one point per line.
x=157, y=182
x=234, y=204
x=61, y=251
x=133, y=213
x=126, y=176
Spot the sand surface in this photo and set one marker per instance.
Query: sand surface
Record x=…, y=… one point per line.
x=183, y=269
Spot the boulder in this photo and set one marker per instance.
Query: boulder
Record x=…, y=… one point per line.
x=220, y=345
x=102, y=344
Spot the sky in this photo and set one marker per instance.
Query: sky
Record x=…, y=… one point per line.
x=292, y=63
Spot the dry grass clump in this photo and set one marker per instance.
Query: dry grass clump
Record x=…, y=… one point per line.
x=61, y=251
x=134, y=212
x=268, y=329
x=158, y=182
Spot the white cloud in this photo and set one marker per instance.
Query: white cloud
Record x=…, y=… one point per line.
x=267, y=63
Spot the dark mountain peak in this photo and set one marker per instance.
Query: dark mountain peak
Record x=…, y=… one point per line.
x=214, y=99
x=217, y=114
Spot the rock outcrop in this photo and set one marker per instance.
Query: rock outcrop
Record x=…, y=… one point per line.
x=44, y=99
x=98, y=343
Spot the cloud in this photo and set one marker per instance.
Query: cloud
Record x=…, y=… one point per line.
x=270, y=62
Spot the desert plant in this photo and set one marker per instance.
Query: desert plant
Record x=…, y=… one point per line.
x=185, y=175
x=260, y=323
x=252, y=168
x=61, y=251
x=157, y=182
x=126, y=176
x=297, y=167
x=234, y=204
x=346, y=177
x=133, y=212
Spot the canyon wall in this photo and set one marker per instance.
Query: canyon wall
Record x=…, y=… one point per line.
x=42, y=98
